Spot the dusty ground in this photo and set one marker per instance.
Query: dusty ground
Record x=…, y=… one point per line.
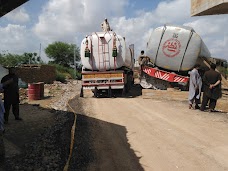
x=155, y=131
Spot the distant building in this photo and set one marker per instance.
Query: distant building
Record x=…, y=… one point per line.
x=209, y=7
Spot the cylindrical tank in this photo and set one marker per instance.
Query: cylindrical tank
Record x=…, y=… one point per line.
x=34, y=91
x=175, y=48
x=101, y=46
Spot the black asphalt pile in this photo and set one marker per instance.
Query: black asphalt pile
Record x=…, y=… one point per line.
x=41, y=142
x=49, y=151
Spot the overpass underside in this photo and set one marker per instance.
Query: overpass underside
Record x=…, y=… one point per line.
x=209, y=7
x=9, y=5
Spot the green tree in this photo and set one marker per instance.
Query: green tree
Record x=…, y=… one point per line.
x=10, y=60
x=62, y=53
x=31, y=58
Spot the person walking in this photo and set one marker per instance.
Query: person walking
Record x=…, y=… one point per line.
x=195, y=85
x=11, y=95
x=212, y=88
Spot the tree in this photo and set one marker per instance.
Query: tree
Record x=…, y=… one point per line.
x=31, y=58
x=62, y=53
x=11, y=60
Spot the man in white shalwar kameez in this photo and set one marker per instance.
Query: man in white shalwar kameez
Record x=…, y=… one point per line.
x=195, y=85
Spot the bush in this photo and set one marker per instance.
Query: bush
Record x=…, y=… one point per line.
x=65, y=72
x=60, y=77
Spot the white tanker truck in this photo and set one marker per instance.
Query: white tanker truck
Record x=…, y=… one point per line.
x=107, y=64
x=173, y=51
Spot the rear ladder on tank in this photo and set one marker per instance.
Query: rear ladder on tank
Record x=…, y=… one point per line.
x=103, y=52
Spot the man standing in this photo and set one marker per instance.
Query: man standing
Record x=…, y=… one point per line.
x=2, y=111
x=212, y=88
x=141, y=57
x=195, y=85
x=11, y=95
x=105, y=25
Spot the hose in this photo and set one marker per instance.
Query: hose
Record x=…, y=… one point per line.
x=72, y=138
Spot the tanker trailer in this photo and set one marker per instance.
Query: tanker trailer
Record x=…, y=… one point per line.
x=107, y=64
x=173, y=51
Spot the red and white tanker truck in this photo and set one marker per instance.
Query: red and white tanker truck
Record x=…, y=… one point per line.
x=173, y=51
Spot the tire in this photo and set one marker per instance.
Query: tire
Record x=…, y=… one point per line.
x=82, y=93
x=96, y=92
x=124, y=92
x=110, y=92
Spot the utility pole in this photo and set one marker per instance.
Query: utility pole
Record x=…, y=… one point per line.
x=74, y=62
x=40, y=52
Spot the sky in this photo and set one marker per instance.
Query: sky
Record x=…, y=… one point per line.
x=42, y=22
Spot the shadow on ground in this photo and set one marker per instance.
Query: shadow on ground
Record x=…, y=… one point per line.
x=39, y=142
x=102, y=146
x=135, y=91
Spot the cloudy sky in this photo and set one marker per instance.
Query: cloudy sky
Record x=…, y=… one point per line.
x=45, y=21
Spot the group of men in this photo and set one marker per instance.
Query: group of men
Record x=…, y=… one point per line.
x=211, y=82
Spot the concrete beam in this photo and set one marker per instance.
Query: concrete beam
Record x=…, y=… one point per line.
x=9, y=5
x=209, y=7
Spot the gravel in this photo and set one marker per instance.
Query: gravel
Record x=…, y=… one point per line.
x=49, y=151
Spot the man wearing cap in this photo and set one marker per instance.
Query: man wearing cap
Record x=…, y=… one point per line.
x=212, y=88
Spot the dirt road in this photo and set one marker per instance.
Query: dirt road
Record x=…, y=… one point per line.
x=150, y=132
x=153, y=134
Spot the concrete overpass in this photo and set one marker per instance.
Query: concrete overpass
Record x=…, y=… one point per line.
x=9, y=5
x=209, y=7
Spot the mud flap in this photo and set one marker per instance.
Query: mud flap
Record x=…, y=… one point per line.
x=110, y=92
x=96, y=94
x=124, y=91
x=81, y=93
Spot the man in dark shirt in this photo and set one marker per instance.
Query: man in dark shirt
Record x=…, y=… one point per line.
x=11, y=95
x=212, y=88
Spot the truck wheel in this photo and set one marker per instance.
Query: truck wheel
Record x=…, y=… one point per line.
x=124, y=92
x=110, y=92
x=96, y=92
x=82, y=93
